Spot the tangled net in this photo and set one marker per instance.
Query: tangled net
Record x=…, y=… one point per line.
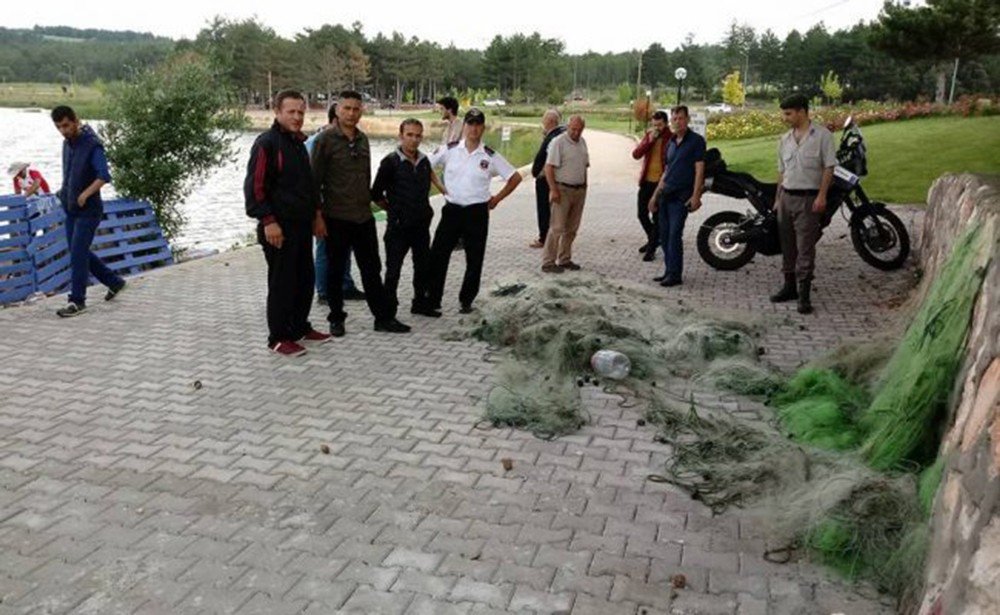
x=836, y=470
x=550, y=329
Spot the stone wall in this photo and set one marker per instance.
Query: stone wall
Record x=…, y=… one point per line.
x=963, y=566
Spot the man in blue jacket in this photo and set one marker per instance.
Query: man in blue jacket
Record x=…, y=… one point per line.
x=85, y=171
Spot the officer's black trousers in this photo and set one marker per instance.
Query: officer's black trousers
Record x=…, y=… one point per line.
x=470, y=223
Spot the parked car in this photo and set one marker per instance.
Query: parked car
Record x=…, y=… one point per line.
x=495, y=102
x=719, y=108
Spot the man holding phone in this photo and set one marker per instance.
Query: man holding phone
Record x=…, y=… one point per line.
x=678, y=193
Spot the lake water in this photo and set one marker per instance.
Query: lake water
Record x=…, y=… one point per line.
x=214, y=209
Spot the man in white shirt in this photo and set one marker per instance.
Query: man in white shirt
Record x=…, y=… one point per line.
x=468, y=168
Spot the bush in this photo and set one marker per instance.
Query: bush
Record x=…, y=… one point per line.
x=167, y=128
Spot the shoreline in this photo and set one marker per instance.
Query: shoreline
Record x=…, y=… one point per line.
x=372, y=125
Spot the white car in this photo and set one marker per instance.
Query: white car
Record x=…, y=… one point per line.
x=719, y=108
x=495, y=102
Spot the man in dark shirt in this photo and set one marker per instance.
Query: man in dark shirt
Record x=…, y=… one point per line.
x=341, y=163
x=85, y=171
x=551, y=129
x=678, y=193
x=281, y=194
x=402, y=187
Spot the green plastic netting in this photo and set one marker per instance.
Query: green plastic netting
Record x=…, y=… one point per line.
x=835, y=471
x=550, y=328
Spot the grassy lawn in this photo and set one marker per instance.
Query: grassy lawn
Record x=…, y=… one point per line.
x=85, y=99
x=903, y=157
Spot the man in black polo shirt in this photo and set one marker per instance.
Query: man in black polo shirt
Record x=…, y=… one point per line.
x=341, y=164
x=678, y=193
x=402, y=187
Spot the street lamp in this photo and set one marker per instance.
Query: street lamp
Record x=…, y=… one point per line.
x=681, y=74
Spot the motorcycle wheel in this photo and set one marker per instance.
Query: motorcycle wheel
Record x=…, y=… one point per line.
x=713, y=244
x=880, y=238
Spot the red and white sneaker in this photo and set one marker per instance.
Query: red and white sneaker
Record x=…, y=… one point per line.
x=315, y=337
x=288, y=349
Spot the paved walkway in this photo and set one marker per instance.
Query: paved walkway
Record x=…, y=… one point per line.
x=154, y=458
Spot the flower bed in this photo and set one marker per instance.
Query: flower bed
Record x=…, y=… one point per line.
x=757, y=123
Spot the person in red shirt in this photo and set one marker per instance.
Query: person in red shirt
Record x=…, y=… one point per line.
x=652, y=150
x=27, y=180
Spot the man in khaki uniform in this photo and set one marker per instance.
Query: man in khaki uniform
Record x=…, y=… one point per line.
x=806, y=159
x=566, y=173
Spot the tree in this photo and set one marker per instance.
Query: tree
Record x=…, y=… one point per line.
x=732, y=89
x=830, y=85
x=770, y=52
x=739, y=45
x=943, y=33
x=167, y=128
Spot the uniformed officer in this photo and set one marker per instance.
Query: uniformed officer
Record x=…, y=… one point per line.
x=806, y=159
x=468, y=168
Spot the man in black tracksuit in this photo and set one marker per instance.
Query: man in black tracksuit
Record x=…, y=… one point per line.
x=281, y=194
x=402, y=187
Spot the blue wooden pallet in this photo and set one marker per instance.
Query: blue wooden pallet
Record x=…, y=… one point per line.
x=48, y=245
x=17, y=279
x=34, y=255
x=129, y=240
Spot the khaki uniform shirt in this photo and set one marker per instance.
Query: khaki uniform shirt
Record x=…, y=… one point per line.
x=802, y=164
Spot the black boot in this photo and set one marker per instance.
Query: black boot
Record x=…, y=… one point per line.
x=787, y=292
x=805, y=305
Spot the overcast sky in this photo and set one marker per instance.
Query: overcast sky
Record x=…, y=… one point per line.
x=597, y=25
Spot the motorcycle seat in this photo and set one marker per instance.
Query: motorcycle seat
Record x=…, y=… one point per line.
x=744, y=186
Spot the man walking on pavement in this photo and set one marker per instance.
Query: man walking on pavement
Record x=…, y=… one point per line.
x=341, y=163
x=468, y=168
x=678, y=193
x=402, y=187
x=652, y=149
x=566, y=172
x=806, y=159
x=85, y=171
x=281, y=194
x=551, y=129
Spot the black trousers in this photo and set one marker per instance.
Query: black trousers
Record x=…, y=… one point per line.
x=650, y=222
x=290, y=279
x=542, y=205
x=361, y=238
x=471, y=223
x=398, y=241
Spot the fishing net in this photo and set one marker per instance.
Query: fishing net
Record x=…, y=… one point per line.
x=898, y=425
x=550, y=328
x=819, y=407
x=834, y=470
x=902, y=424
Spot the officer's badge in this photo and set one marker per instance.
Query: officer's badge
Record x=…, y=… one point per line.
x=484, y=164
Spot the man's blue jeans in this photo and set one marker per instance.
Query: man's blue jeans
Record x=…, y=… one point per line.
x=79, y=235
x=321, y=268
x=673, y=214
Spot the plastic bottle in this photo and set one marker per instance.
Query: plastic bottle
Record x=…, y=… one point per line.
x=610, y=364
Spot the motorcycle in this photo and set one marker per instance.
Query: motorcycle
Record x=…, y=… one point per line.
x=729, y=239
